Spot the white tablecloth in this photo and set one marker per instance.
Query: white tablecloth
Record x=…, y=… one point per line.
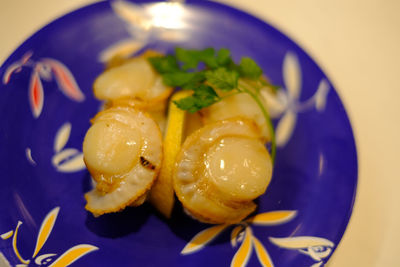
x=356, y=44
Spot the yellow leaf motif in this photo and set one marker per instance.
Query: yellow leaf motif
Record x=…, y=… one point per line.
x=242, y=233
x=243, y=254
x=45, y=229
x=235, y=232
x=7, y=235
x=14, y=243
x=272, y=218
x=262, y=253
x=73, y=254
x=203, y=238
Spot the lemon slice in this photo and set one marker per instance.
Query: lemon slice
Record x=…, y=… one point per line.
x=162, y=193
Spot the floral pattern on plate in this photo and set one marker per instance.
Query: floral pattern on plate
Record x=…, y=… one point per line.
x=45, y=69
x=67, y=258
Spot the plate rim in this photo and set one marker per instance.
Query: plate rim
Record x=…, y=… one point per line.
x=251, y=17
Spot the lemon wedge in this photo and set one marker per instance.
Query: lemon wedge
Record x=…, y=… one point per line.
x=162, y=193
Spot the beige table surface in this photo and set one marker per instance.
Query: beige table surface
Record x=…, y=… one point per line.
x=356, y=42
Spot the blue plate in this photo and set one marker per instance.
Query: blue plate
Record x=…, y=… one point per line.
x=46, y=102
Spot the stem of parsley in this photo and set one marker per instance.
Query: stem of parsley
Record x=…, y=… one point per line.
x=264, y=111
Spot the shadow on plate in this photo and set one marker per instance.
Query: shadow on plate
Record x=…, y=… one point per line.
x=114, y=225
x=119, y=224
x=185, y=227
x=132, y=219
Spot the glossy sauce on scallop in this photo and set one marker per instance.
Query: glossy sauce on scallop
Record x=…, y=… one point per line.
x=111, y=147
x=238, y=167
x=221, y=169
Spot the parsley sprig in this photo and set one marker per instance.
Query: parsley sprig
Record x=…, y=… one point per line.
x=207, y=72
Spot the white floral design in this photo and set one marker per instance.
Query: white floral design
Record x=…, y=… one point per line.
x=315, y=247
x=285, y=104
x=66, y=159
x=46, y=69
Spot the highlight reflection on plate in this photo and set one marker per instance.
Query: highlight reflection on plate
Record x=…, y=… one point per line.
x=46, y=102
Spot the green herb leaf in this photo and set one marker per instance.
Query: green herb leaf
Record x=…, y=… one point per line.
x=205, y=91
x=202, y=97
x=224, y=57
x=187, y=103
x=223, y=79
x=164, y=64
x=192, y=58
x=187, y=57
x=183, y=79
x=196, y=79
x=249, y=68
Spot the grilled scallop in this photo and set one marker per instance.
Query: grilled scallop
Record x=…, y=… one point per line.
x=123, y=152
x=233, y=106
x=221, y=169
x=156, y=112
x=135, y=83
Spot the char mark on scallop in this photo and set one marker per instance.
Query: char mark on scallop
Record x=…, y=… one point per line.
x=147, y=164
